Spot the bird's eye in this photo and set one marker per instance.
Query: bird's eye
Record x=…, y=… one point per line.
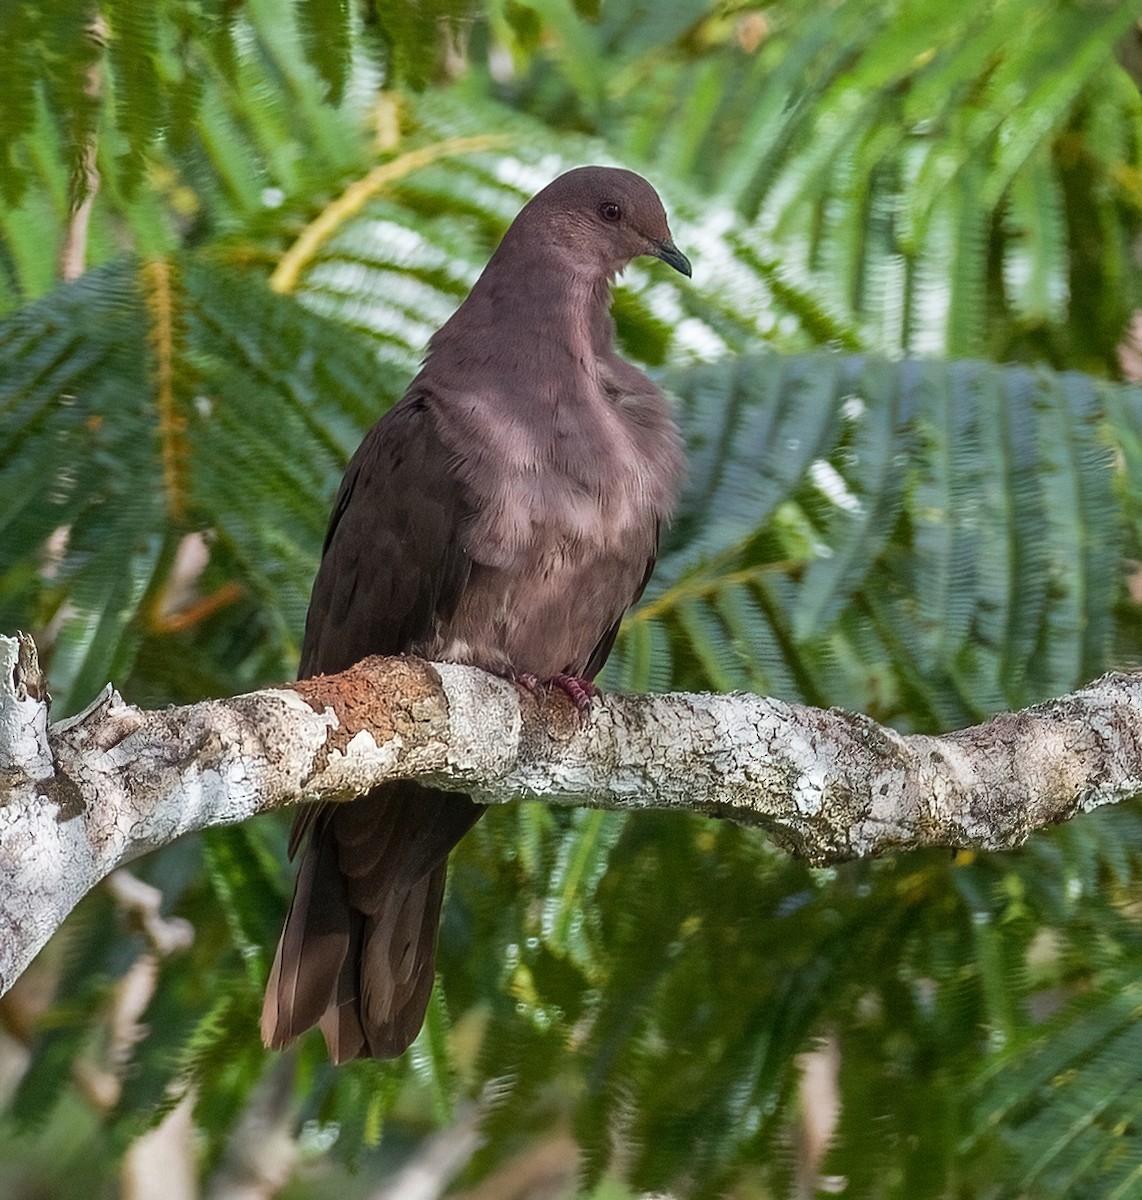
x=610, y=211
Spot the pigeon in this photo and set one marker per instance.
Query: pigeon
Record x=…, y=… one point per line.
x=504, y=514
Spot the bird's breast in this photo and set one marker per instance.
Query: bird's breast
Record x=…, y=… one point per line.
x=565, y=518
x=544, y=513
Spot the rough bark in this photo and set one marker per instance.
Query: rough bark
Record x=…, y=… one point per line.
x=82, y=797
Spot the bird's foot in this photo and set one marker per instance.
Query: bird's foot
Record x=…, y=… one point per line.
x=581, y=691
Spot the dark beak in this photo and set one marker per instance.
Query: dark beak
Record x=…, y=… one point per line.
x=669, y=253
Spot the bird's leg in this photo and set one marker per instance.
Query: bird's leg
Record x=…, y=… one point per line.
x=581, y=691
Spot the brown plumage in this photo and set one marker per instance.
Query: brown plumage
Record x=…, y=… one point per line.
x=505, y=513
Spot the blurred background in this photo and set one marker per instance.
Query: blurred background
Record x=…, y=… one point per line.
x=907, y=371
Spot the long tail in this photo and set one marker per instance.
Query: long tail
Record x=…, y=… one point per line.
x=358, y=952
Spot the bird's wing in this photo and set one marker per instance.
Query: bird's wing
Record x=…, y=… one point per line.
x=359, y=941
x=606, y=643
x=394, y=563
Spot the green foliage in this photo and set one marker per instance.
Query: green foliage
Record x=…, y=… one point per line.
x=1069, y=1103
x=927, y=542
x=924, y=539
x=137, y=470
x=914, y=162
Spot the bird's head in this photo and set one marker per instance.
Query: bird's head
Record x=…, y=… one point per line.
x=602, y=217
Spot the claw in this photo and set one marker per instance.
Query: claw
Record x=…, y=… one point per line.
x=530, y=684
x=581, y=691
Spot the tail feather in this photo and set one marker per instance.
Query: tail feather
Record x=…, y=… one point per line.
x=398, y=966
x=357, y=955
x=340, y=1024
x=311, y=950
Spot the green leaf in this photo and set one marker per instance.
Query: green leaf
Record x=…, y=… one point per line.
x=325, y=34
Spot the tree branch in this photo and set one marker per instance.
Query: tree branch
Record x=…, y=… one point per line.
x=83, y=797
